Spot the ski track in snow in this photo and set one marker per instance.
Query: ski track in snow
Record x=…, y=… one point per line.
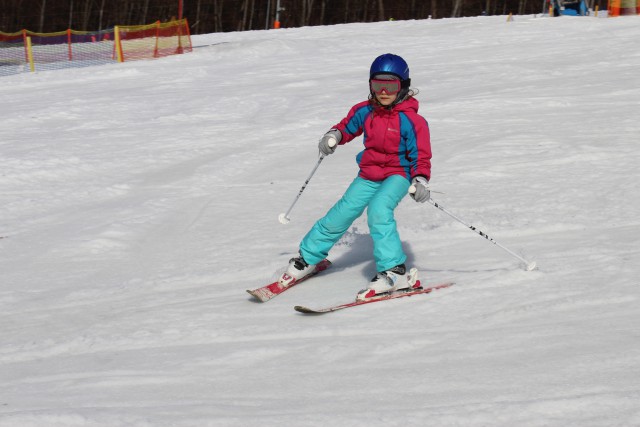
x=138, y=201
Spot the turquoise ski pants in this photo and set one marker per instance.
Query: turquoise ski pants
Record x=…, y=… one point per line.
x=381, y=198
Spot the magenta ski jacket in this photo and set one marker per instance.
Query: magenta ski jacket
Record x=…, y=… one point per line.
x=396, y=141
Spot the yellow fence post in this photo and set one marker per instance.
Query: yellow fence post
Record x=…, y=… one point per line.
x=30, y=55
x=116, y=33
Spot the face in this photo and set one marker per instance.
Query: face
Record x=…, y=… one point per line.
x=386, y=99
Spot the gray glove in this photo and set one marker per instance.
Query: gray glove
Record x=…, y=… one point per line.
x=329, y=142
x=420, y=189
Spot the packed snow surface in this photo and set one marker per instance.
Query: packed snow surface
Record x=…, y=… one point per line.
x=139, y=201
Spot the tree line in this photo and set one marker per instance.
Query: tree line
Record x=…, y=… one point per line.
x=209, y=16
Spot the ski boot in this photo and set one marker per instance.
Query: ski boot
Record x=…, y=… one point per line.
x=298, y=268
x=392, y=280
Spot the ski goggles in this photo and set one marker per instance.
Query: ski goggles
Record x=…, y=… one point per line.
x=390, y=87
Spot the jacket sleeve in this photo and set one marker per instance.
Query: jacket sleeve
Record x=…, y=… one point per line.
x=420, y=148
x=352, y=126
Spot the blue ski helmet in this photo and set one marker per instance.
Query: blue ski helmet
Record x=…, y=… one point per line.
x=390, y=64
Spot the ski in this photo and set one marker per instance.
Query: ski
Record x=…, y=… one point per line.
x=274, y=289
x=384, y=297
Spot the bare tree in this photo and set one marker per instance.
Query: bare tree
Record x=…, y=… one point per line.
x=70, y=24
x=434, y=9
x=42, y=15
x=323, y=8
x=307, y=6
x=101, y=13
x=247, y=11
x=521, y=6
x=233, y=15
x=218, y=6
x=85, y=15
x=457, y=8
x=198, y=10
x=145, y=10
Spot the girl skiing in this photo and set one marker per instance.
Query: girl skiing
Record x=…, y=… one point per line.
x=396, y=155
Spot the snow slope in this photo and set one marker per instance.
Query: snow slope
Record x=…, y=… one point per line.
x=138, y=201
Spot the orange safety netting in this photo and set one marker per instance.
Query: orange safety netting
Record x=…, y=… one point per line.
x=29, y=51
x=153, y=41
x=624, y=7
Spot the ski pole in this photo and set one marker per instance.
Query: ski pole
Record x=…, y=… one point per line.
x=529, y=265
x=284, y=217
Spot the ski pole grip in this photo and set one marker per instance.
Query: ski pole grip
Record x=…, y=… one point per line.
x=332, y=142
x=412, y=189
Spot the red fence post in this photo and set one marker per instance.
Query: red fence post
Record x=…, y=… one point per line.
x=69, y=43
x=26, y=48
